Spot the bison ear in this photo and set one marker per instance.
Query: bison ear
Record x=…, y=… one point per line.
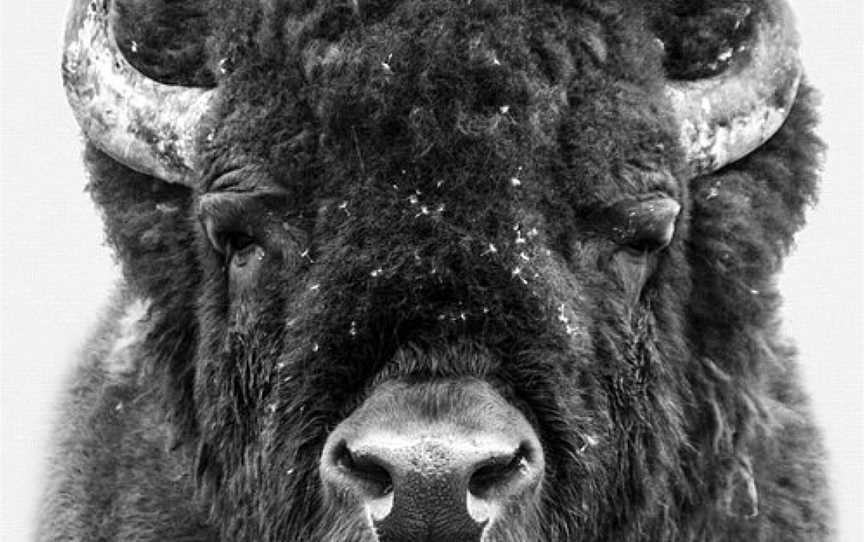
x=146, y=219
x=166, y=41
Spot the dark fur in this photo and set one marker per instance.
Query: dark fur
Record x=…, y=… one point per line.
x=692, y=397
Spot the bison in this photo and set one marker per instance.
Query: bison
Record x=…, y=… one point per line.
x=441, y=270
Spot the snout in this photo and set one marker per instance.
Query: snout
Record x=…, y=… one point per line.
x=440, y=461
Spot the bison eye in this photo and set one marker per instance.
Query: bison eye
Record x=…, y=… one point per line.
x=226, y=241
x=644, y=227
x=228, y=221
x=238, y=248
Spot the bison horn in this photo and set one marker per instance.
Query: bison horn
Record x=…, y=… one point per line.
x=148, y=126
x=724, y=118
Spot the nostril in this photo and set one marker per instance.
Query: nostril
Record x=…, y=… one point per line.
x=497, y=472
x=366, y=469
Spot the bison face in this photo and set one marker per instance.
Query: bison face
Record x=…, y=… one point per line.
x=438, y=281
x=473, y=263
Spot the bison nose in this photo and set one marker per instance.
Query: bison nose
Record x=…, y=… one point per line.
x=444, y=473
x=434, y=480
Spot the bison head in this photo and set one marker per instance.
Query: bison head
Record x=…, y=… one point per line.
x=451, y=270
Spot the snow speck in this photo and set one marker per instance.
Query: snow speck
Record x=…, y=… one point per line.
x=314, y=347
x=515, y=181
x=564, y=319
x=353, y=329
x=166, y=208
x=588, y=440
x=315, y=287
x=504, y=109
x=376, y=272
x=517, y=272
x=134, y=46
x=561, y=316
x=519, y=239
x=385, y=65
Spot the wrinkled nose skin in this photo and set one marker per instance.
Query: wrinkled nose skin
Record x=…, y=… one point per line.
x=434, y=461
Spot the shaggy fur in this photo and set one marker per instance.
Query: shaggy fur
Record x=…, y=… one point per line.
x=424, y=178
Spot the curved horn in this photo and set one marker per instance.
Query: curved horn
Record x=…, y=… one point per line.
x=148, y=126
x=724, y=118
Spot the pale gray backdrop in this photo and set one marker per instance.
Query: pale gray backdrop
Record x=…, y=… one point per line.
x=56, y=272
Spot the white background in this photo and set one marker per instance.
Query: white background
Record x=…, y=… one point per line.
x=56, y=271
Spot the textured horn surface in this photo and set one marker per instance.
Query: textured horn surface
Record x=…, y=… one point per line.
x=148, y=126
x=724, y=118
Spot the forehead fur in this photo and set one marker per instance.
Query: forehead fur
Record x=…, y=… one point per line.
x=489, y=88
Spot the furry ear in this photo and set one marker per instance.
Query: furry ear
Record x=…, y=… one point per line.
x=751, y=209
x=166, y=40
x=146, y=220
